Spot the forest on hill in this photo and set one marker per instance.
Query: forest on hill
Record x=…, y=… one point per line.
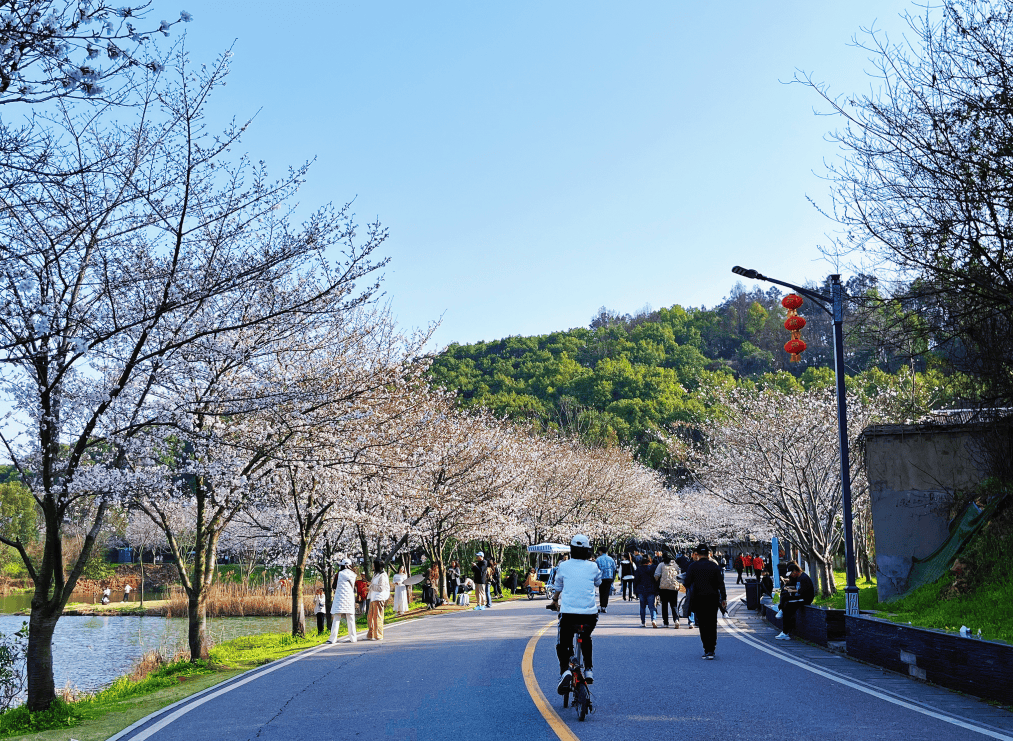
x=630, y=379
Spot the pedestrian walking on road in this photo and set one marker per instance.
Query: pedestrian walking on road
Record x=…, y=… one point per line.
x=667, y=576
x=627, y=570
x=738, y=565
x=647, y=590
x=343, y=604
x=607, y=567
x=480, y=575
x=747, y=564
x=400, y=591
x=707, y=593
x=379, y=593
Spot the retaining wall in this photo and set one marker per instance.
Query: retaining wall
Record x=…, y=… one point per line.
x=980, y=668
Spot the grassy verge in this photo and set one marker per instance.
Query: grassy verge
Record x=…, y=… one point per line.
x=868, y=597
x=935, y=606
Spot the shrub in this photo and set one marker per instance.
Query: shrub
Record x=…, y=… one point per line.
x=20, y=721
x=12, y=666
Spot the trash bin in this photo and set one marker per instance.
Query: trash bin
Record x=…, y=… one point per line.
x=752, y=594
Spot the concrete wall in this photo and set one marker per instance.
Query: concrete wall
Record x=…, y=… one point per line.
x=980, y=668
x=913, y=472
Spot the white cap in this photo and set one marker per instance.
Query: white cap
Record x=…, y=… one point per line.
x=580, y=541
x=346, y=562
x=480, y=554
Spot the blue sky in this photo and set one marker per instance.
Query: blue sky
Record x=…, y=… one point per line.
x=534, y=161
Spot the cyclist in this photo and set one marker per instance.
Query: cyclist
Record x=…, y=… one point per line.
x=573, y=595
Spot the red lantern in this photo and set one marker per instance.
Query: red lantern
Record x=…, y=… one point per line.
x=794, y=324
x=795, y=347
x=791, y=302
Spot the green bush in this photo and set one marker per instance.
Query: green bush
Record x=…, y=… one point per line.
x=59, y=715
x=14, y=569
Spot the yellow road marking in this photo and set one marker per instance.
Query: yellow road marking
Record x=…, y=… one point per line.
x=548, y=712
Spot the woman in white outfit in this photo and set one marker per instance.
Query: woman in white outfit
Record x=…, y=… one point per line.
x=400, y=591
x=344, y=602
x=379, y=593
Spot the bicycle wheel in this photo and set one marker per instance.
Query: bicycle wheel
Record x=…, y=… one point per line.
x=581, y=700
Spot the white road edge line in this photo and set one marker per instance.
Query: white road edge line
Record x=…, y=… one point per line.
x=953, y=720
x=195, y=701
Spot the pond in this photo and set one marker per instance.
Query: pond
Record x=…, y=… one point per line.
x=89, y=652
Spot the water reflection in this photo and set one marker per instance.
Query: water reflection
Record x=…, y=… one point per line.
x=91, y=651
x=23, y=600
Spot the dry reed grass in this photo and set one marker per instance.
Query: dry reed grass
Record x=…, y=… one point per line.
x=239, y=600
x=150, y=661
x=70, y=693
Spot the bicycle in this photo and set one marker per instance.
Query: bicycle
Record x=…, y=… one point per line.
x=578, y=686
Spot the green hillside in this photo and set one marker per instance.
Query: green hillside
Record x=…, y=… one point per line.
x=629, y=379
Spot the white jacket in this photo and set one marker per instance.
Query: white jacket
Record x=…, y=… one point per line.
x=344, y=595
x=379, y=588
x=577, y=581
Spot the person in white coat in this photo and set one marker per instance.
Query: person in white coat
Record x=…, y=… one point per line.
x=379, y=593
x=400, y=591
x=344, y=602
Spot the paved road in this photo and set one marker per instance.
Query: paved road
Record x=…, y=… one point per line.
x=459, y=676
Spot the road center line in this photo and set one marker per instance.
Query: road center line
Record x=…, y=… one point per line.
x=548, y=712
x=952, y=720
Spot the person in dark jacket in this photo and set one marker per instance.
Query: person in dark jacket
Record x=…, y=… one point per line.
x=647, y=590
x=737, y=565
x=453, y=580
x=626, y=569
x=706, y=583
x=497, y=578
x=797, y=592
x=683, y=562
x=481, y=579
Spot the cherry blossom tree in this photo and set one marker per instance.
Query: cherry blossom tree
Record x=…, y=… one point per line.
x=695, y=515
x=73, y=49
x=461, y=468
x=777, y=453
x=117, y=281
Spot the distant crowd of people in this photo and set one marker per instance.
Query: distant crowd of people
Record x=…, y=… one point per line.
x=681, y=586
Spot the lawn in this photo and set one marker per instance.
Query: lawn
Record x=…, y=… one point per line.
x=929, y=607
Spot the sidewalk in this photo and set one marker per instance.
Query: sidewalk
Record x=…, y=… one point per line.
x=890, y=684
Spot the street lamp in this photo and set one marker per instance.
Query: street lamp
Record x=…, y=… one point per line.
x=834, y=306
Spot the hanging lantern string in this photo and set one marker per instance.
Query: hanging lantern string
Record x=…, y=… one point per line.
x=794, y=324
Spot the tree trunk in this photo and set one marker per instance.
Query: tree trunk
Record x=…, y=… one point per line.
x=41, y=685
x=814, y=572
x=197, y=609
x=298, y=609
x=367, y=565
x=828, y=586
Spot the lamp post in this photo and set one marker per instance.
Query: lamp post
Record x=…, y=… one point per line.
x=834, y=306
